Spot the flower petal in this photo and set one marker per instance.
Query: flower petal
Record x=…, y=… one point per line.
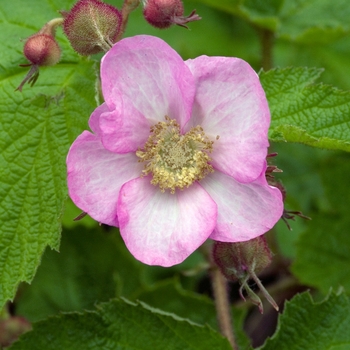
x=231, y=103
x=150, y=77
x=162, y=228
x=96, y=175
x=121, y=134
x=94, y=121
x=245, y=211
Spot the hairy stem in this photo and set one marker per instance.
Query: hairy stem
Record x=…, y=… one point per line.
x=222, y=305
x=128, y=7
x=50, y=27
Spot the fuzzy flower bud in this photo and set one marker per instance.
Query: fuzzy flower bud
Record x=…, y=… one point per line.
x=243, y=261
x=164, y=13
x=41, y=49
x=92, y=26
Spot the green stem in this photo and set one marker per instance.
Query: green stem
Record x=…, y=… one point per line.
x=222, y=305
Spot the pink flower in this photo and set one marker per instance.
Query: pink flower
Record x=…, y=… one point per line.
x=177, y=154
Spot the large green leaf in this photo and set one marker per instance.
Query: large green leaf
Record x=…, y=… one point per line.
x=304, y=21
x=120, y=325
x=322, y=258
x=306, y=325
x=333, y=58
x=36, y=130
x=93, y=265
x=310, y=21
x=169, y=296
x=316, y=115
x=305, y=190
x=83, y=272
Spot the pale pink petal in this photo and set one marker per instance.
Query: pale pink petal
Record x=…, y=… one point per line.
x=151, y=78
x=230, y=103
x=123, y=134
x=162, y=228
x=245, y=211
x=94, y=121
x=95, y=176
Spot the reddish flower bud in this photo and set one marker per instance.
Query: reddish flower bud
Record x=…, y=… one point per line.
x=164, y=13
x=243, y=261
x=92, y=26
x=42, y=50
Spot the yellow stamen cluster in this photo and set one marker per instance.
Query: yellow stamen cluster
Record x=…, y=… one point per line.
x=175, y=160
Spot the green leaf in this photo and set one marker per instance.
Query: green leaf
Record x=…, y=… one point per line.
x=229, y=6
x=315, y=21
x=322, y=258
x=307, y=325
x=302, y=112
x=36, y=130
x=304, y=186
x=120, y=325
x=93, y=265
x=82, y=273
x=168, y=295
x=303, y=21
x=261, y=13
x=334, y=58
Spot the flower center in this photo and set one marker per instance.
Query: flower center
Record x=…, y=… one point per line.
x=175, y=160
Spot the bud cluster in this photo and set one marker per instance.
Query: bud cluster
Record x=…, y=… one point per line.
x=93, y=26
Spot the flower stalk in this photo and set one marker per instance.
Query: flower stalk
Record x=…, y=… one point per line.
x=266, y=39
x=222, y=305
x=128, y=7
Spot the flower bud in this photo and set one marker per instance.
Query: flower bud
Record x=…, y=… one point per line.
x=11, y=328
x=42, y=50
x=236, y=259
x=92, y=26
x=243, y=261
x=164, y=13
